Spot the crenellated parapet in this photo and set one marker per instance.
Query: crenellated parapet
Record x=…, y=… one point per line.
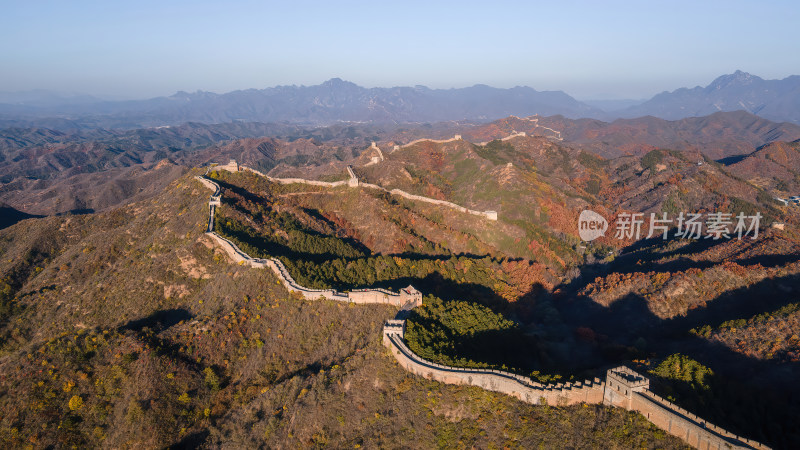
x=353, y=180
x=523, y=388
x=623, y=388
x=628, y=389
x=621, y=383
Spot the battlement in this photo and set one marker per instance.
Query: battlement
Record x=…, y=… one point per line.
x=393, y=328
x=457, y=137
x=377, y=154
x=513, y=135
x=626, y=378
x=523, y=388
x=623, y=388
x=621, y=383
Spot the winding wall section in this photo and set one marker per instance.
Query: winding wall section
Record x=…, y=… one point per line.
x=353, y=181
x=407, y=298
x=622, y=388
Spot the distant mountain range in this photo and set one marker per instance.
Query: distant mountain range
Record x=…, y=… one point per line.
x=341, y=101
x=719, y=135
x=777, y=100
x=332, y=101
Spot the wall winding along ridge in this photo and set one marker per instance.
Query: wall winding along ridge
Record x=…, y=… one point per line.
x=515, y=385
x=535, y=120
x=353, y=181
x=407, y=298
x=622, y=388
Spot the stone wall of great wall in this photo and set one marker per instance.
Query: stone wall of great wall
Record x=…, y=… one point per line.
x=407, y=298
x=435, y=141
x=535, y=120
x=517, y=386
x=630, y=390
x=622, y=388
x=509, y=137
x=353, y=181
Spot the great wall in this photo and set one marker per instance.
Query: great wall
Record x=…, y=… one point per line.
x=535, y=120
x=623, y=387
x=407, y=298
x=353, y=181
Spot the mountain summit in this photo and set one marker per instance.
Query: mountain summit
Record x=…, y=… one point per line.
x=776, y=100
x=736, y=79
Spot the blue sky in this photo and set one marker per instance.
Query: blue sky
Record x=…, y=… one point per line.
x=610, y=49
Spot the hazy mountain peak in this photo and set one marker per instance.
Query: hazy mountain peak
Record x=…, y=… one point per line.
x=737, y=78
x=333, y=100
x=338, y=82
x=776, y=100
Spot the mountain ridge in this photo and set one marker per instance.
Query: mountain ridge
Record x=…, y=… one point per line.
x=47, y=172
x=337, y=100
x=772, y=99
x=332, y=101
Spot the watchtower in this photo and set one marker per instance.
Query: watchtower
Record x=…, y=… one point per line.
x=393, y=327
x=412, y=295
x=621, y=383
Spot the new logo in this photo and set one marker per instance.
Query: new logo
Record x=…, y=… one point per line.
x=591, y=225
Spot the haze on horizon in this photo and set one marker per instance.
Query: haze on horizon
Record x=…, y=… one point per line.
x=589, y=50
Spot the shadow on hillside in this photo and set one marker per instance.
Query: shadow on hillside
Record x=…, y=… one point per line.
x=435, y=284
x=510, y=349
x=159, y=320
x=244, y=193
x=191, y=441
x=424, y=257
x=79, y=212
x=10, y=216
x=629, y=317
x=627, y=330
x=148, y=329
x=730, y=160
x=349, y=240
x=635, y=258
